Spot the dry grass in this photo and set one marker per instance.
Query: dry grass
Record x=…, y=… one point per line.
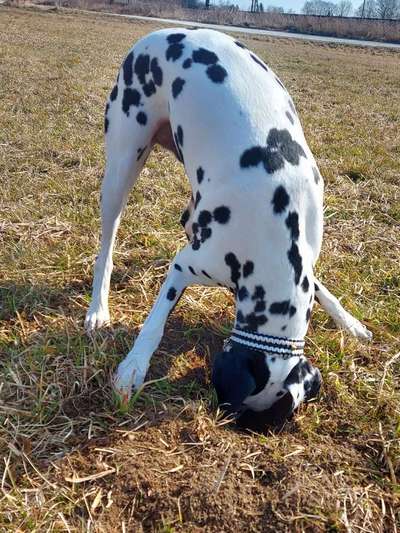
x=70, y=460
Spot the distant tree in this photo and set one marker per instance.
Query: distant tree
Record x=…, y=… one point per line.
x=319, y=7
x=207, y=4
x=228, y=6
x=367, y=9
x=274, y=9
x=254, y=6
x=387, y=9
x=344, y=8
x=261, y=8
x=190, y=4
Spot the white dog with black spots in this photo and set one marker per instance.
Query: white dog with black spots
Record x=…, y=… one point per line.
x=254, y=222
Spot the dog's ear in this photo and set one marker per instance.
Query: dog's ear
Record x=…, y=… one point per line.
x=232, y=379
x=312, y=386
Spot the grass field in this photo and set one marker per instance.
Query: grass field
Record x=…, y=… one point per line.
x=70, y=459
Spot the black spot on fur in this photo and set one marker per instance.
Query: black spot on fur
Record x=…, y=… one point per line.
x=142, y=67
x=290, y=117
x=197, y=200
x=127, y=68
x=205, y=218
x=114, y=93
x=205, y=234
x=131, y=97
x=149, y=88
x=316, y=174
x=156, y=72
x=141, y=118
x=175, y=37
x=178, y=148
x=179, y=132
x=260, y=307
x=177, y=86
x=222, y=214
x=305, y=285
x=308, y=315
x=178, y=267
x=191, y=269
x=187, y=63
x=178, y=138
x=298, y=373
x=216, y=73
x=205, y=57
x=292, y=222
x=185, y=217
x=200, y=175
x=280, y=308
x=292, y=311
x=254, y=321
x=240, y=45
x=106, y=124
x=259, y=293
x=240, y=317
x=316, y=288
x=281, y=141
x=248, y=268
x=296, y=261
x=281, y=199
x=140, y=152
x=171, y=294
x=243, y=293
x=280, y=147
x=174, y=51
x=259, y=62
x=252, y=157
x=206, y=274
x=233, y=263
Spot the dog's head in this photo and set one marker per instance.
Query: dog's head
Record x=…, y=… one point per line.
x=261, y=390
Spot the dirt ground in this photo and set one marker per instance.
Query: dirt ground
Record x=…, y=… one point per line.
x=71, y=458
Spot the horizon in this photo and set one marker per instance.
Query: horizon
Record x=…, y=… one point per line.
x=295, y=5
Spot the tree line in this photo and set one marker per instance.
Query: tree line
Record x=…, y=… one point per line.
x=383, y=9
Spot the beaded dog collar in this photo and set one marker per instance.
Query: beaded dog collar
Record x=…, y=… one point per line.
x=268, y=343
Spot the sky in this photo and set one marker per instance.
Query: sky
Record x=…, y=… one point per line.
x=296, y=5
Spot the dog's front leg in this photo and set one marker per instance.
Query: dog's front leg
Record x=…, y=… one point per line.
x=342, y=318
x=132, y=370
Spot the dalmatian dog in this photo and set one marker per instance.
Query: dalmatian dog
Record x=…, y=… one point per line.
x=254, y=222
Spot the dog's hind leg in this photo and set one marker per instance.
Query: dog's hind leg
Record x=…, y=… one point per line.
x=342, y=318
x=127, y=145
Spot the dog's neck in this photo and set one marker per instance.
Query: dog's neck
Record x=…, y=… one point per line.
x=268, y=344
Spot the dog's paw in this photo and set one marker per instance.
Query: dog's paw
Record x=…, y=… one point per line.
x=359, y=331
x=96, y=318
x=129, y=375
x=356, y=329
